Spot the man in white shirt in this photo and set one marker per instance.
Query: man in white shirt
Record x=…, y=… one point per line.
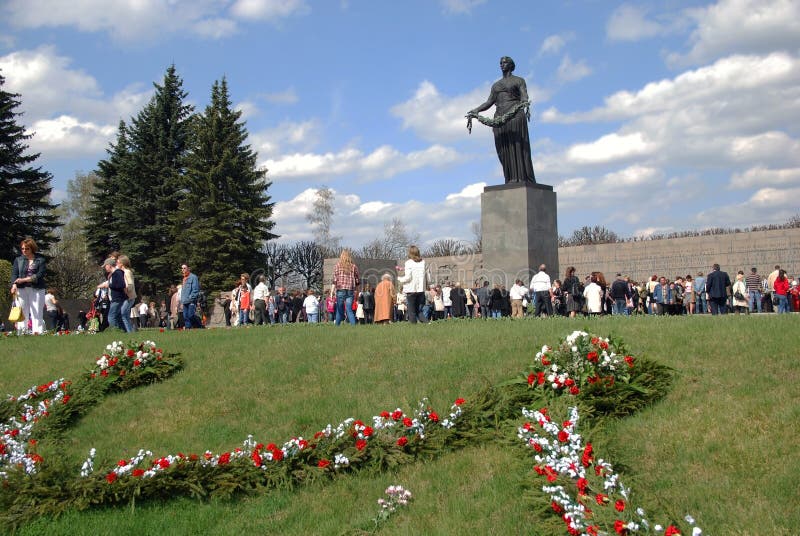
x=540, y=286
x=517, y=293
x=448, y=302
x=260, y=296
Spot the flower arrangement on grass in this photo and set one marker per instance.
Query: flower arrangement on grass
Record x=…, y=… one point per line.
x=333, y=449
x=580, y=359
x=597, y=372
x=28, y=418
x=17, y=445
x=584, y=490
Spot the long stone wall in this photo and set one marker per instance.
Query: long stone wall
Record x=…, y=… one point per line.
x=681, y=256
x=639, y=260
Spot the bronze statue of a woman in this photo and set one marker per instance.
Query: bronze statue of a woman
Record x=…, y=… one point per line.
x=509, y=95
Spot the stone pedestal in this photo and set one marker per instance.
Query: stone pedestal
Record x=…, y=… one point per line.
x=519, y=227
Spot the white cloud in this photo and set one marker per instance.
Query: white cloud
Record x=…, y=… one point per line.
x=742, y=26
x=130, y=20
x=65, y=106
x=629, y=23
x=767, y=205
x=757, y=177
x=612, y=147
x=382, y=163
x=569, y=71
x=268, y=9
x=67, y=136
x=287, y=137
x=553, y=44
x=767, y=146
x=728, y=78
x=460, y=6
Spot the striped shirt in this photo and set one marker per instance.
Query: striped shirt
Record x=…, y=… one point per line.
x=753, y=282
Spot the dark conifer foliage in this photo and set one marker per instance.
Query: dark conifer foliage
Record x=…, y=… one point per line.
x=103, y=229
x=25, y=207
x=225, y=216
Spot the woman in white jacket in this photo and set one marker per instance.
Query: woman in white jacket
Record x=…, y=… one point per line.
x=413, y=280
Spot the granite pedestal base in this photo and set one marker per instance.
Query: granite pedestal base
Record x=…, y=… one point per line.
x=519, y=226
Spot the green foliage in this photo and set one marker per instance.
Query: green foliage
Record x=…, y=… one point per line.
x=5, y=298
x=225, y=212
x=25, y=208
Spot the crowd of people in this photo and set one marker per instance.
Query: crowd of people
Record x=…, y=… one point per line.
x=410, y=296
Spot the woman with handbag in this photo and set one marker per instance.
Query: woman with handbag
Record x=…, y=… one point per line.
x=27, y=283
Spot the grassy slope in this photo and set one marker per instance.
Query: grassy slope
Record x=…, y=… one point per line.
x=720, y=446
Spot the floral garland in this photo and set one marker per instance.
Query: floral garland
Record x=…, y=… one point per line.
x=595, y=371
x=334, y=448
x=582, y=497
x=119, y=367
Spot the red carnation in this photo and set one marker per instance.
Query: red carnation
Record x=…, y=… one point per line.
x=104, y=373
x=574, y=390
x=256, y=457
x=433, y=416
x=601, y=498
x=545, y=361
x=65, y=399
x=592, y=356
x=556, y=507
x=111, y=477
x=322, y=464
x=619, y=527
x=385, y=414
x=407, y=422
x=459, y=401
x=531, y=378
x=163, y=463
x=224, y=458
x=402, y=441
x=130, y=353
x=581, y=484
x=361, y=444
x=620, y=505
x=563, y=436
x=368, y=431
x=397, y=415
x=122, y=463
x=672, y=530
x=137, y=362
x=138, y=472
x=277, y=455
x=629, y=360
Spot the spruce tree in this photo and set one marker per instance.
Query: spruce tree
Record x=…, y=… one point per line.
x=25, y=208
x=226, y=212
x=152, y=184
x=103, y=228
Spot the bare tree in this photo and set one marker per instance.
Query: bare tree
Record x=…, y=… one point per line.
x=447, y=247
x=321, y=219
x=392, y=245
x=70, y=268
x=279, y=264
x=592, y=235
x=306, y=261
x=477, y=236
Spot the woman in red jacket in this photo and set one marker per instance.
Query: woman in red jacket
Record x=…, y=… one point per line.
x=782, y=292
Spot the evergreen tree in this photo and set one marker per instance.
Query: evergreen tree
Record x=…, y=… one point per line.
x=225, y=216
x=152, y=184
x=25, y=208
x=103, y=229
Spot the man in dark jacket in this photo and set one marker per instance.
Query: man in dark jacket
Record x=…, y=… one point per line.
x=620, y=293
x=717, y=285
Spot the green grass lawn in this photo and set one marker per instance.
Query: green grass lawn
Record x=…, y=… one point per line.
x=721, y=445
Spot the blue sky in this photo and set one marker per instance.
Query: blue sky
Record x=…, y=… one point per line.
x=648, y=116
